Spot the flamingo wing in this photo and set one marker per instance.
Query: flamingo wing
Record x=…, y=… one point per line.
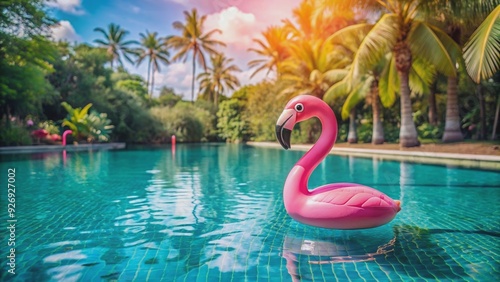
x=357, y=196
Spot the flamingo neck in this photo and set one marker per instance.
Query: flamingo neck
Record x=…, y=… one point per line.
x=306, y=165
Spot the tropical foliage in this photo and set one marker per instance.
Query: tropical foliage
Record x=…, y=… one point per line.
x=392, y=70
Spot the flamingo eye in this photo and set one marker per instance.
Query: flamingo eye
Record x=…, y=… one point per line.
x=299, y=107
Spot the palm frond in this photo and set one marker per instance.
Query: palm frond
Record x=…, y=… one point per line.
x=422, y=74
x=338, y=89
x=358, y=94
x=435, y=47
x=482, y=50
x=376, y=44
x=388, y=84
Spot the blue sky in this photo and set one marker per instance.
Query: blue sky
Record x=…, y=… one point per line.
x=240, y=21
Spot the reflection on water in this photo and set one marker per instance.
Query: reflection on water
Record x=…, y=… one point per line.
x=215, y=213
x=343, y=247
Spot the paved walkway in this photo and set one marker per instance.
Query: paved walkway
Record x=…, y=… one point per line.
x=462, y=160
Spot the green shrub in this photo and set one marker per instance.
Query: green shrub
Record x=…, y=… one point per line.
x=231, y=124
x=181, y=120
x=14, y=135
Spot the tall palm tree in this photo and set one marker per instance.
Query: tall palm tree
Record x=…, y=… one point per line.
x=273, y=48
x=193, y=40
x=401, y=32
x=219, y=77
x=155, y=51
x=457, y=17
x=115, y=44
x=482, y=54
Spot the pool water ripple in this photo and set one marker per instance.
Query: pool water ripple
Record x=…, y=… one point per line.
x=215, y=212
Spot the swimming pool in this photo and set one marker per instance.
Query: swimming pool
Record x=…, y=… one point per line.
x=214, y=212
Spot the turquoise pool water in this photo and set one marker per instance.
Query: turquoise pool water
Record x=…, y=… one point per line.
x=215, y=213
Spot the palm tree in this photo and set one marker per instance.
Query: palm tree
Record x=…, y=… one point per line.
x=219, y=78
x=274, y=49
x=457, y=17
x=115, y=44
x=312, y=25
x=193, y=39
x=401, y=32
x=154, y=49
x=482, y=54
x=312, y=67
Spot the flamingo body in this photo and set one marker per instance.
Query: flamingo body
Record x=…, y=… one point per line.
x=338, y=205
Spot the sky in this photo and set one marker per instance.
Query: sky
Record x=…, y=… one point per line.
x=239, y=20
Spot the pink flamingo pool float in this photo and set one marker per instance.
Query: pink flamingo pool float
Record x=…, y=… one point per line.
x=337, y=205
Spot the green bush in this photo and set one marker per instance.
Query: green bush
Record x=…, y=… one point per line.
x=181, y=120
x=14, y=135
x=429, y=131
x=231, y=124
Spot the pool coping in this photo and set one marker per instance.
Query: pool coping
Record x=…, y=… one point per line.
x=450, y=159
x=59, y=148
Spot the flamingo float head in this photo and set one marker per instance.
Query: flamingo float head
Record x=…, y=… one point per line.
x=298, y=109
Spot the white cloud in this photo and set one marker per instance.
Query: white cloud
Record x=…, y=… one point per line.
x=69, y=6
x=237, y=27
x=64, y=31
x=178, y=76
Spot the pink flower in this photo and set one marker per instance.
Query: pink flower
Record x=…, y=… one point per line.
x=29, y=122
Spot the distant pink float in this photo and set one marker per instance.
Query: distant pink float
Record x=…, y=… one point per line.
x=338, y=205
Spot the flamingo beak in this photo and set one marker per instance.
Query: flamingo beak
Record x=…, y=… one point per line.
x=284, y=127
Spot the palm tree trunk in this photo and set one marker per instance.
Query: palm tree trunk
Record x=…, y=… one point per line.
x=482, y=113
x=432, y=115
x=152, y=82
x=192, y=81
x=149, y=73
x=408, y=136
x=216, y=97
x=378, y=129
x=452, y=132
x=352, y=136
x=495, y=123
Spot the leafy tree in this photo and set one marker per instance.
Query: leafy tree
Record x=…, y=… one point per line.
x=193, y=39
x=168, y=97
x=155, y=51
x=115, y=44
x=219, y=77
x=231, y=124
x=23, y=18
x=24, y=65
x=181, y=121
x=80, y=77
